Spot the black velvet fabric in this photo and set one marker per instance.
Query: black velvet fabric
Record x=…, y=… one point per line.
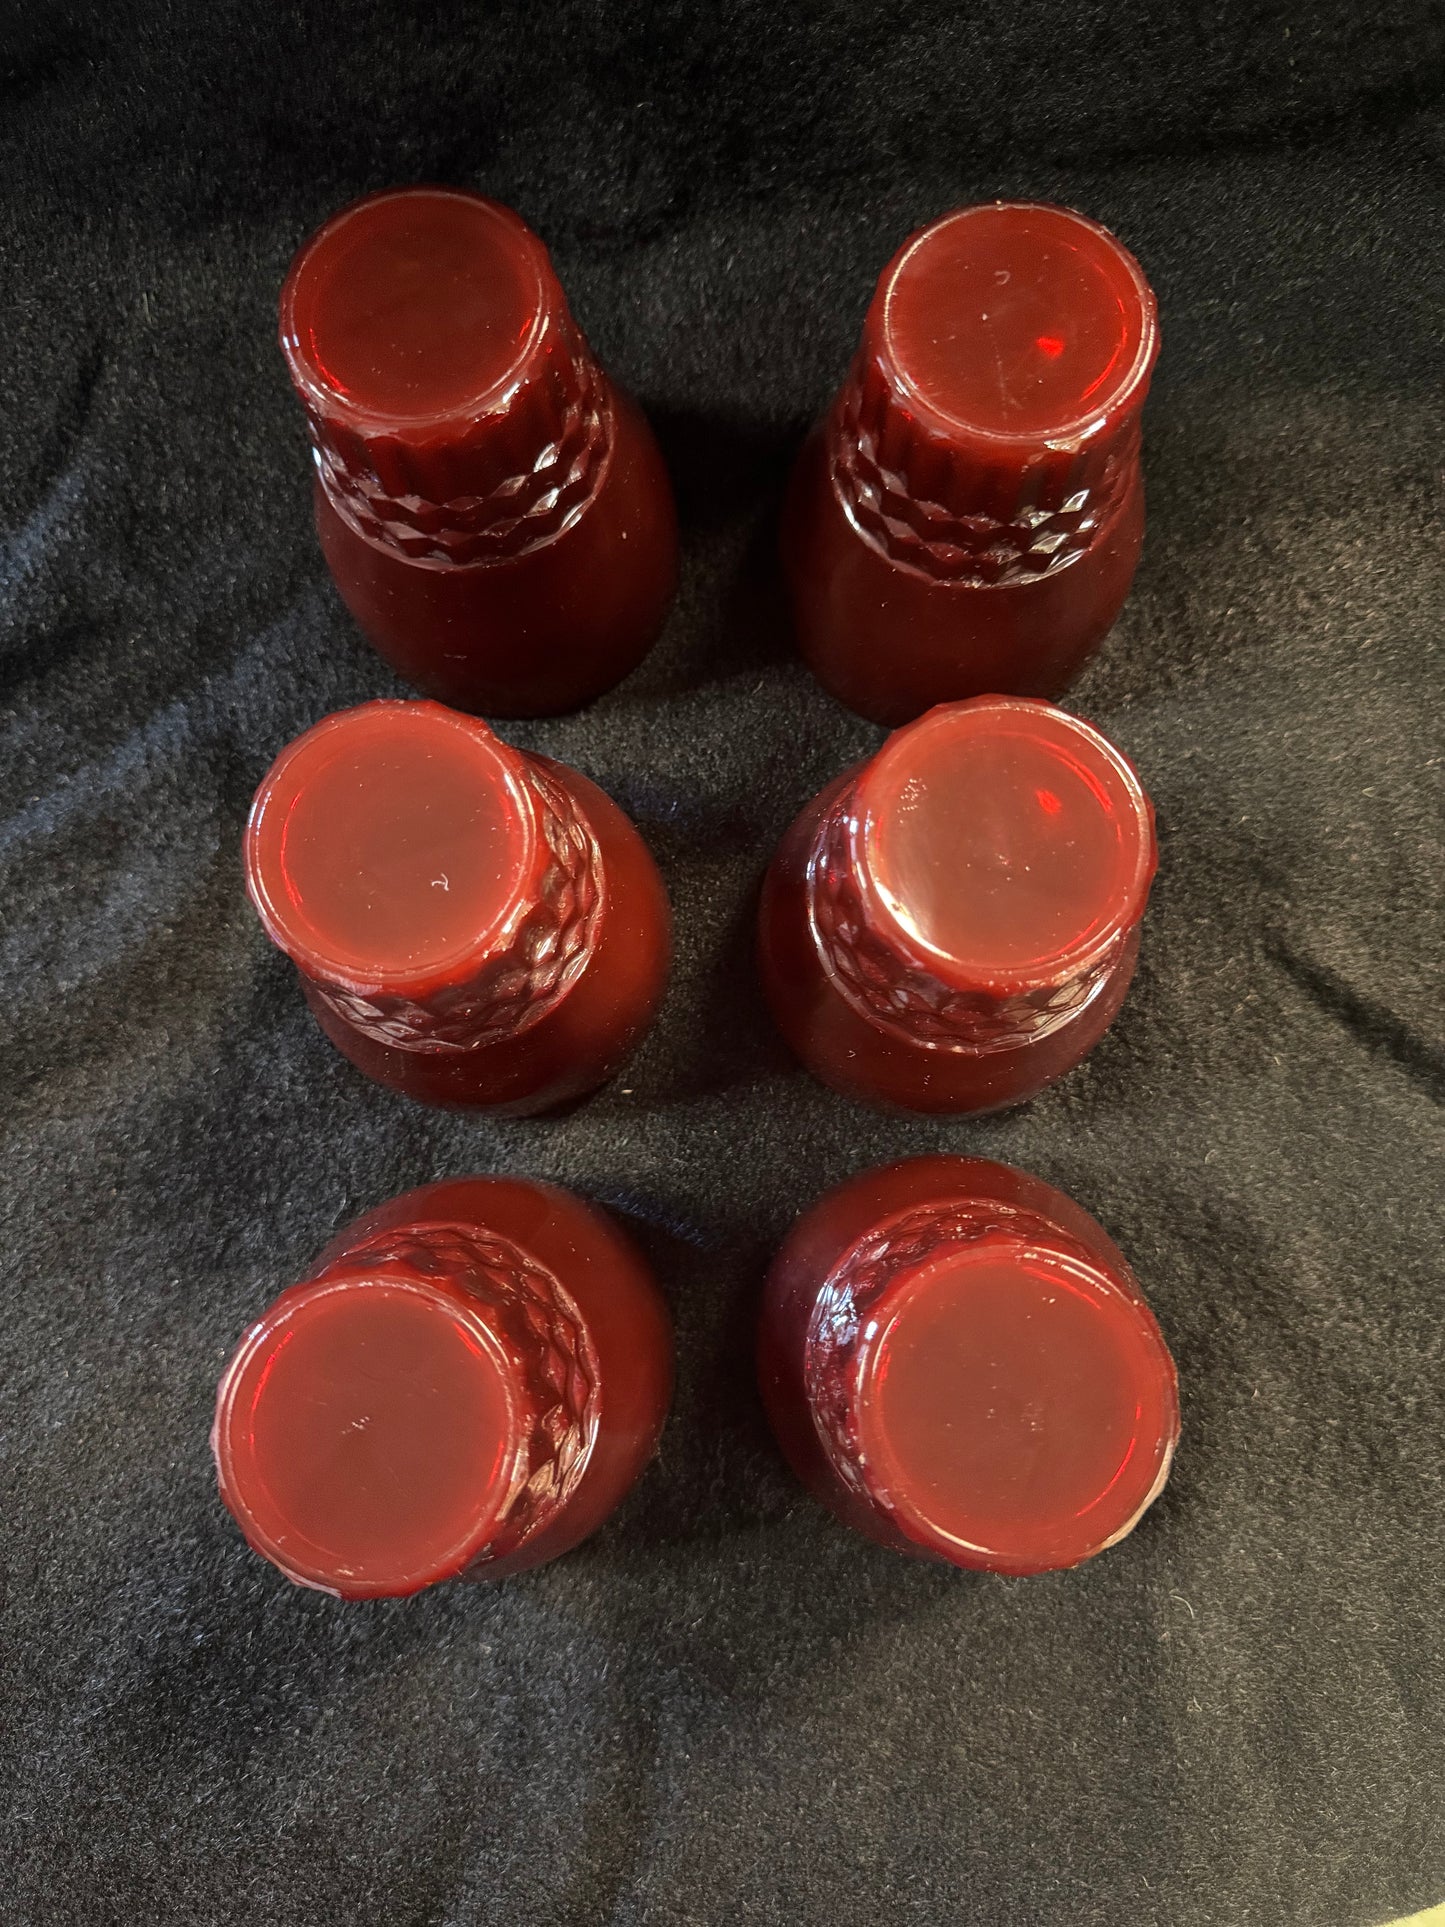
x=725, y=1708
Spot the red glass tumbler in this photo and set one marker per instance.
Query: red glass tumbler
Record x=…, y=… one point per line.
x=952, y=925
x=495, y=513
x=968, y=517
x=473, y=926
x=959, y=1362
x=467, y=1384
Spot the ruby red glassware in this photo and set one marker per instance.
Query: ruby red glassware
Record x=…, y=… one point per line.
x=467, y=1384
x=473, y=926
x=968, y=517
x=958, y=1361
x=953, y=924
x=494, y=511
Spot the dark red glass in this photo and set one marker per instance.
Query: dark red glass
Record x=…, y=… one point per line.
x=473, y=926
x=495, y=513
x=968, y=517
x=953, y=924
x=959, y=1362
x=468, y=1382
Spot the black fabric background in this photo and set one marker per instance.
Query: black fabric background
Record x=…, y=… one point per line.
x=725, y=1708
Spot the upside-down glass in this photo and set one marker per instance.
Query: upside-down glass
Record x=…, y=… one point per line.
x=467, y=1383
x=958, y=1361
x=494, y=511
x=968, y=517
x=473, y=926
x=953, y=925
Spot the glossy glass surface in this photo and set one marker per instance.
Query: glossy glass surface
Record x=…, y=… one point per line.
x=495, y=514
x=392, y=839
x=415, y=306
x=988, y=937
x=1004, y=839
x=1015, y=320
x=1005, y=1402
x=998, y=1395
x=969, y=516
x=371, y=1433
x=399, y=853
x=378, y=1429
